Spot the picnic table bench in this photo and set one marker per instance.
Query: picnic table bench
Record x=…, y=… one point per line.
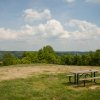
x=88, y=75
x=92, y=78
x=70, y=76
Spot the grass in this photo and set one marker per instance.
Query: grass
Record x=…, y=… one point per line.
x=46, y=86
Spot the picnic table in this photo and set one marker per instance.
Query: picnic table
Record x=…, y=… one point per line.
x=88, y=75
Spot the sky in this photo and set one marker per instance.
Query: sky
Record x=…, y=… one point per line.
x=66, y=25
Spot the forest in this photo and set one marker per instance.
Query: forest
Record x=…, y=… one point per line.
x=49, y=56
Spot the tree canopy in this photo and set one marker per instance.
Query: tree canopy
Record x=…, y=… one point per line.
x=49, y=56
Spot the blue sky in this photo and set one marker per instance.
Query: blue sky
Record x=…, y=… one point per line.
x=66, y=25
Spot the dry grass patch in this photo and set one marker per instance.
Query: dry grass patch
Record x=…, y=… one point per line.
x=13, y=72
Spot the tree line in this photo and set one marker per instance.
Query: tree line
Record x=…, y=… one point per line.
x=49, y=56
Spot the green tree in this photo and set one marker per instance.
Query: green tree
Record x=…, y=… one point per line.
x=29, y=57
x=77, y=60
x=9, y=59
x=96, y=59
x=67, y=59
x=41, y=56
x=47, y=55
x=86, y=59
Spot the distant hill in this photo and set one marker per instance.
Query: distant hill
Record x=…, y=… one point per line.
x=19, y=53
x=71, y=52
x=15, y=53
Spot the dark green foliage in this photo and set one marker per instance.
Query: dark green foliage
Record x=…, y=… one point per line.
x=9, y=59
x=67, y=59
x=96, y=59
x=29, y=57
x=49, y=56
x=77, y=60
x=92, y=58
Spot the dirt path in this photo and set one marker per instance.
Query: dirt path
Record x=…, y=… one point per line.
x=7, y=73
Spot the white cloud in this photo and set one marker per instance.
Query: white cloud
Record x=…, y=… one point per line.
x=93, y=1
x=10, y=34
x=53, y=29
x=7, y=34
x=84, y=29
x=69, y=1
x=31, y=14
x=27, y=29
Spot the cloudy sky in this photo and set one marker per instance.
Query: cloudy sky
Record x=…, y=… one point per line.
x=66, y=25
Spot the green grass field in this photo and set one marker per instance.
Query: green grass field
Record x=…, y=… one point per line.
x=45, y=85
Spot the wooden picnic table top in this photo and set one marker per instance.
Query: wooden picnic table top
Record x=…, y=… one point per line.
x=84, y=71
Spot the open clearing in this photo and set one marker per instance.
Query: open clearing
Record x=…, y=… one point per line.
x=44, y=82
x=23, y=71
